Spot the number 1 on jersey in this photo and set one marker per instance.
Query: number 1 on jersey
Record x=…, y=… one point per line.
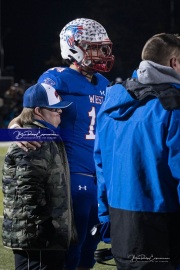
x=92, y=114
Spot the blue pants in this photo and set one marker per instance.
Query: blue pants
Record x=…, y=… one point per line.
x=84, y=196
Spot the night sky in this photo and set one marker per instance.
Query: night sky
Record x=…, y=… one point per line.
x=30, y=30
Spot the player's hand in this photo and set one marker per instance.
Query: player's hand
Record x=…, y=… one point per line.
x=26, y=146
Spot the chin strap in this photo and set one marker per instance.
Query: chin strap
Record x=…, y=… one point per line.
x=77, y=66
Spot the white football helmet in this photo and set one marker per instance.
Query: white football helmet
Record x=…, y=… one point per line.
x=86, y=43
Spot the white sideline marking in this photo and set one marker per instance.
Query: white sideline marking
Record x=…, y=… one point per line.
x=3, y=144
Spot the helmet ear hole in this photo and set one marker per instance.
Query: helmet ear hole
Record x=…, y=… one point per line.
x=73, y=51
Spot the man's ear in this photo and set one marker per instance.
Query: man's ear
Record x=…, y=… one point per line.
x=173, y=62
x=37, y=111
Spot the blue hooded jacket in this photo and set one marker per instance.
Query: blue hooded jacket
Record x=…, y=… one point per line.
x=137, y=152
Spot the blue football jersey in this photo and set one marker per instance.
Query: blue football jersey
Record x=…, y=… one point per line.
x=78, y=121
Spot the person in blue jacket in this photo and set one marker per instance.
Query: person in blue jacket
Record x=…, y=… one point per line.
x=87, y=51
x=137, y=158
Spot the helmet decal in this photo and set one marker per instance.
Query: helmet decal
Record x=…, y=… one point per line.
x=72, y=33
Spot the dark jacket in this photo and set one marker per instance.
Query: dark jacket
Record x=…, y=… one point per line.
x=37, y=204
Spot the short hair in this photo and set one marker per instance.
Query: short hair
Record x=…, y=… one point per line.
x=161, y=47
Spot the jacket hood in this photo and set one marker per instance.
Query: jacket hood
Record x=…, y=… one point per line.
x=151, y=73
x=153, y=81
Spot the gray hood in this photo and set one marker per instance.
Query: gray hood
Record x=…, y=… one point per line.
x=152, y=73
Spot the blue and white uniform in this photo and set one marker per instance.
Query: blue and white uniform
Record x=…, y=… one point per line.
x=78, y=132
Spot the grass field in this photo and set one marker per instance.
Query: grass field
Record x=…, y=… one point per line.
x=6, y=257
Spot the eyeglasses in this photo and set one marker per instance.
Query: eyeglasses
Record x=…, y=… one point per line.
x=52, y=109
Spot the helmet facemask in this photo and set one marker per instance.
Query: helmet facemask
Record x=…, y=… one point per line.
x=97, y=56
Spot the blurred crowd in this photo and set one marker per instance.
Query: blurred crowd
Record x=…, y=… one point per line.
x=11, y=102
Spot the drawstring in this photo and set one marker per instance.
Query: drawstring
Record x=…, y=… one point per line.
x=28, y=258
